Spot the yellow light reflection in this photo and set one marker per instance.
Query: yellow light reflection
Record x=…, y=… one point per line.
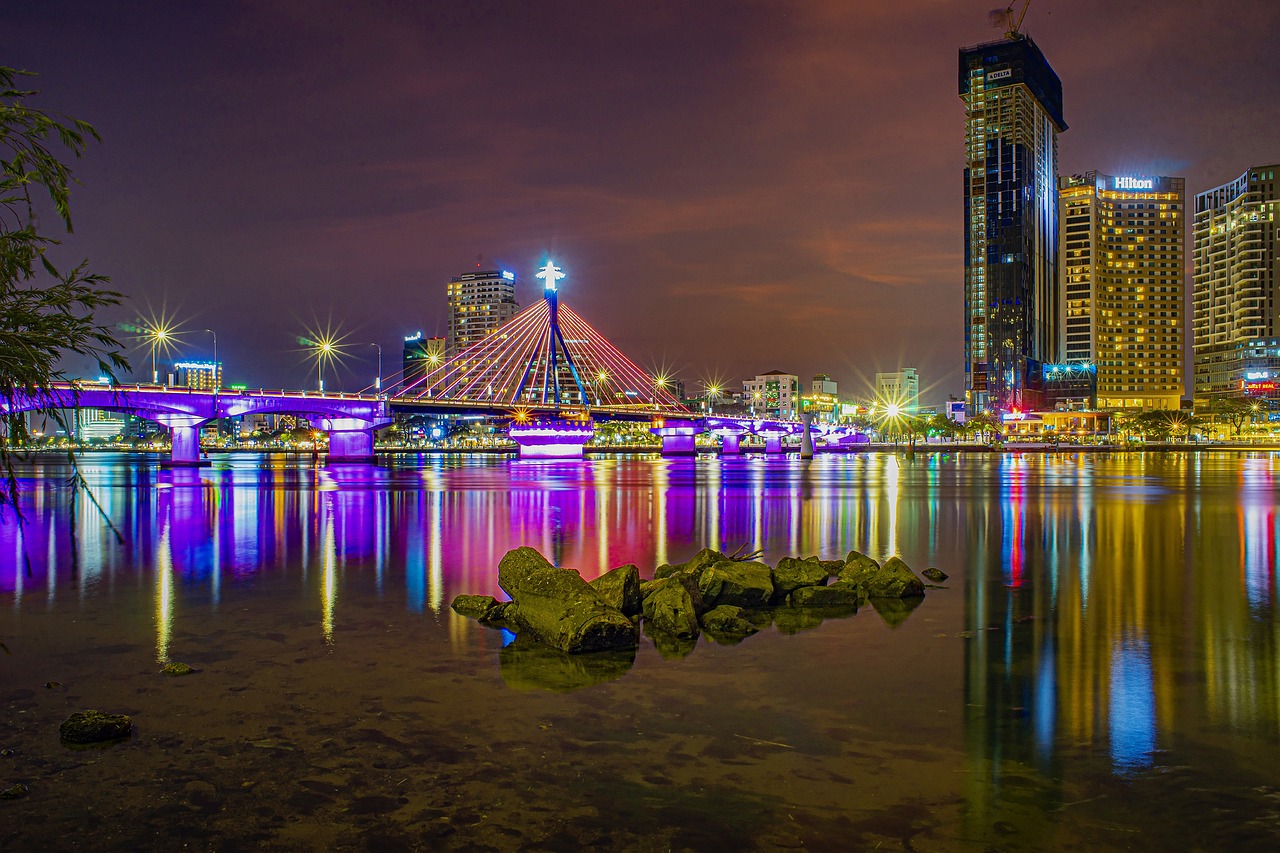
x=164, y=595
x=329, y=554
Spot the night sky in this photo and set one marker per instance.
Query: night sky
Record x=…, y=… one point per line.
x=731, y=187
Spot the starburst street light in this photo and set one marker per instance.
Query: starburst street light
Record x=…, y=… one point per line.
x=326, y=349
x=157, y=333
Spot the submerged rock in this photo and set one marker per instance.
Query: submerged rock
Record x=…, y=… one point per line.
x=726, y=620
x=95, y=727
x=892, y=580
x=669, y=647
x=935, y=575
x=672, y=606
x=741, y=584
x=838, y=594
x=530, y=665
x=792, y=574
x=176, y=668
x=559, y=608
x=620, y=588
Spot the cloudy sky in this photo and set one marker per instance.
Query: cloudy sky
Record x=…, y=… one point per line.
x=732, y=187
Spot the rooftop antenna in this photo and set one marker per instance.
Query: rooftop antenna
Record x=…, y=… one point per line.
x=1006, y=18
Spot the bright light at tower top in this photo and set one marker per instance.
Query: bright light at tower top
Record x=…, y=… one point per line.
x=550, y=275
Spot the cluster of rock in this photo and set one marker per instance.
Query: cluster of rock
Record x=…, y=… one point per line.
x=710, y=593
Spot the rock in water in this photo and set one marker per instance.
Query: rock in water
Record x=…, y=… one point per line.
x=935, y=575
x=672, y=606
x=483, y=608
x=95, y=727
x=792, y=574
x=856, y=564
x=176, y=668
x=703, y=560
x=727, y=620
x=740, y=584
x=892, y=580
x=838, y=594
x=620, y=588
x=559, y=608
x=15, y=792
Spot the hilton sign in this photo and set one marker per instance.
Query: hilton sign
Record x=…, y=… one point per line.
x=1135, y=184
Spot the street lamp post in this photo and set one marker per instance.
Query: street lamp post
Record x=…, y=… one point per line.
x=158, y=338
x=377, y=384
x=217, y=371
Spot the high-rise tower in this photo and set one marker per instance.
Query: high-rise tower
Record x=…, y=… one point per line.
x=479, y=303
x=1123, y=270
x=1235, y=288
x=1013, y=115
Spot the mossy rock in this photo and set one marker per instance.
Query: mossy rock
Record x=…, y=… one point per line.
x=176, y=668
x=838, y=594
x=672, y=607
x=738, y=583
x=95, y=727
x=857, y=566
x=14, y=792
x=620, y=588
x=792, y=574
x=485, y=609
x=669, y=646
x=726, y=620
x=934, y=574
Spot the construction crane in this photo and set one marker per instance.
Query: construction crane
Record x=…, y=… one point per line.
x=1005, y=18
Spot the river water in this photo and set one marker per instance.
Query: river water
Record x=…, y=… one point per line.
x=1100, y=671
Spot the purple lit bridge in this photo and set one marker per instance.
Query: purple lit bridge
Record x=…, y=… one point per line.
x=350, y=419
x=547, y=371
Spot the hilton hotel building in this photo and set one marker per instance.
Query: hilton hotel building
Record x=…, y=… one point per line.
x=1122, y=285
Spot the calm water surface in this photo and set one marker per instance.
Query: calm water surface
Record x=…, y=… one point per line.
x=1101, y=670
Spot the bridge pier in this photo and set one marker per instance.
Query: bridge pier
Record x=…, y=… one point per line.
x=806, y=438
x=184, y=439
x=730, y=444
x=552, y=438
x=350, y=440
x=678, y=440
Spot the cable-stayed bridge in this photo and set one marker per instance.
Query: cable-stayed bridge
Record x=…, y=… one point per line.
x=547, y=370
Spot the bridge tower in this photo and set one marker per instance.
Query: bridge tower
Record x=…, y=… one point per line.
x=556, y=350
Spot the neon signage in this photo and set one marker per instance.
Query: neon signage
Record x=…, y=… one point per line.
x=509, y=276
x=1002, y=74
x=1135, y=183
x=1257, y=374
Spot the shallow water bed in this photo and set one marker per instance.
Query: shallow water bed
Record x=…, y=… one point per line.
x=1099, y=671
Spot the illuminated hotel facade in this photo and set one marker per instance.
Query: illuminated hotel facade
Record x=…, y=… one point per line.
x=1013, y=115
x=1236, y=330
x=1122, y=286
x=479, y=303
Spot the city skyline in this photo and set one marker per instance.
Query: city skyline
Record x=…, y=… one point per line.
x=699, y=173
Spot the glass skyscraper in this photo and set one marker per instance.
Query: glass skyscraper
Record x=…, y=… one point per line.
x=1013, y=115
